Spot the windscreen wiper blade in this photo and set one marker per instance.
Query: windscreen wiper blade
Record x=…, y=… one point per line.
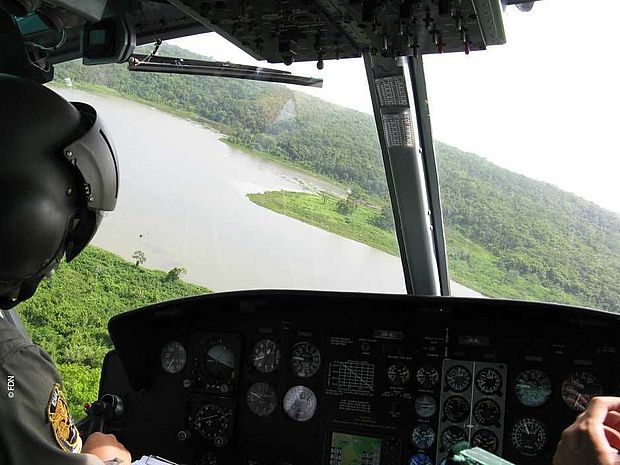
x=171, y=65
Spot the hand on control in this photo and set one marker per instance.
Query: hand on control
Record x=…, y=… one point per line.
x=106, y=447
x=594, y=437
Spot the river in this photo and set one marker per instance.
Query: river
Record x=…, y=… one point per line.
x=183, y=202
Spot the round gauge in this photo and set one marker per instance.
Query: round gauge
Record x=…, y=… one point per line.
x=422, y=437
x=173, y=357
x=265, y=356
x=217, y=359
x=398, y=374
x=529, y=436
x=488, y=381
x=451, y=436
x=455, y=409
x=425, y=406
x=486, y=440
x=458, y=378
x=579, y=388
x=427, y=376
x=532, y=387
x=262, y=399
x=210, y=421
x=420, y=459
x=487, y=412
x=306, y=359
x=299, y=403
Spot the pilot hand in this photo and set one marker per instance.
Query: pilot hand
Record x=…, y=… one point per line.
x=106, y=447
x=594, y=437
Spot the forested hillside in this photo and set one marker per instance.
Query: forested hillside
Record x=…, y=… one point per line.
x=508, y=235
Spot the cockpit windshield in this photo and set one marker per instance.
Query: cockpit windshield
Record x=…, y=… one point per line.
x=231, y=184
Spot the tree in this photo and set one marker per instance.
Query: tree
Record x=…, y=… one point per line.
x=384, y=218
x=175, y=274
x=139, y=256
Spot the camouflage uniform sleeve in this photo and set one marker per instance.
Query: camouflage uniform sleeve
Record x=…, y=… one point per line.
x=35, y=425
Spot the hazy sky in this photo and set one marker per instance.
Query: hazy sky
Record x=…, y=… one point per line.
x=546, y=104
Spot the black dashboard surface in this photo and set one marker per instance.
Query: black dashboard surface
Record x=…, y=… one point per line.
x=279, y=377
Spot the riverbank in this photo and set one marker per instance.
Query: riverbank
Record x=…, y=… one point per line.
x=321, y=210
x=470, y=264
x=103, y=90
x=327, y=183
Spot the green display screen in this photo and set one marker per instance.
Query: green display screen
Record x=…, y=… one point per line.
x=351, y=449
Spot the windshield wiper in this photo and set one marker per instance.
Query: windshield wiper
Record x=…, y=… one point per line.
x=171, y=65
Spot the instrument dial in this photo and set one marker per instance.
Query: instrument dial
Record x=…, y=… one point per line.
x=216, y=360
x=306, y=359
x=487, y=412
x=423, y=437
x=488, y=381
x=265, y=356
x=300, y=403
x=173, y=357
x=529, y=436
x=532, y=387
x=579, y=388
x=262, y=399
x=398, y=374
x=485, y=439
x=451, y=436
x=458, y=378
x=425, y=406
x=427, y=376
x=455, y=409
x=211, y=421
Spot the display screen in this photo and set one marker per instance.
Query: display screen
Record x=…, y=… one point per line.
x=351, y=449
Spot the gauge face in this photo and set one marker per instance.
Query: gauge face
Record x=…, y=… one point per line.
x=299, y=403
x=488, y=381
x=529, y=436
x=211, y=421
x=306, y=359
x=455, y=409
x=486, y=440
x=451, y=436
x=532, y=387
x=420, y=459
x=265, y=356
x=398, y=374
x=173, y=357
x=423, y=437
x=458, y=378
x=427, y=376
x=487, y=412
x=219, y=359
x=579, y=388
x=262, y=399
x=425, y=406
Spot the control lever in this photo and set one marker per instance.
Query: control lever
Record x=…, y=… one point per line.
x=100, y=414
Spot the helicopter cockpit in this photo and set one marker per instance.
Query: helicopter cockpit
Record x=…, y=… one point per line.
x=381, y=297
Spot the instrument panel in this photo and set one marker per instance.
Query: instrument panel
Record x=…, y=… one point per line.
x=278, y=377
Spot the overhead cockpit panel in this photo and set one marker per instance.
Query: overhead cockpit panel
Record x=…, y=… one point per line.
x=301, y=30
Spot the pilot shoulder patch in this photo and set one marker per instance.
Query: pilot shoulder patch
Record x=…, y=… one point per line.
x=64, y=430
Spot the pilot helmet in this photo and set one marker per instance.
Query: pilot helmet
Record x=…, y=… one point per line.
x=58, y=175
